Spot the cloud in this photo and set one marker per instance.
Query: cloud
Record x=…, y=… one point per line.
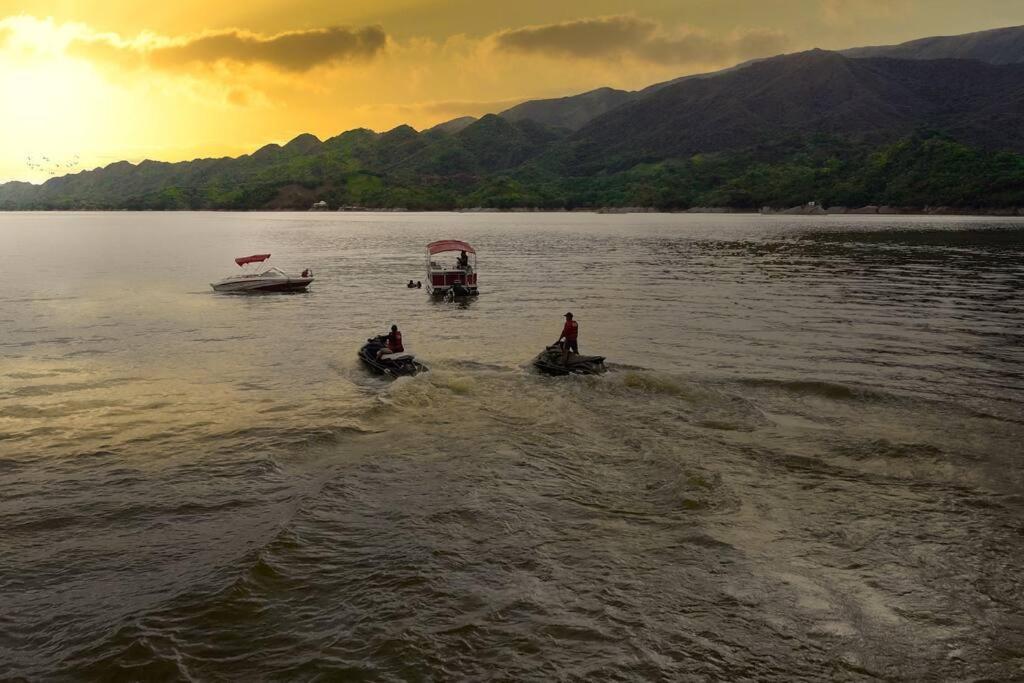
x=618, y=37
x=239, y=97
x=846, y=12
x=594, y=38
x=293, y=51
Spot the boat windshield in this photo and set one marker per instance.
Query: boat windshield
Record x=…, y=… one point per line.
x=273, y=272
x=267, y=273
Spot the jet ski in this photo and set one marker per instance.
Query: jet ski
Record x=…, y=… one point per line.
x=390, y=364
x=549, y=361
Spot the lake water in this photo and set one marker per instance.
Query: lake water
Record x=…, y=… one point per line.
x=805, y=462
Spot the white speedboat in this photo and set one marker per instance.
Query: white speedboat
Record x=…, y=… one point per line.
x=257, y=276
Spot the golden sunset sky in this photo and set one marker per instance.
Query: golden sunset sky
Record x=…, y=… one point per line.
x=84, y=83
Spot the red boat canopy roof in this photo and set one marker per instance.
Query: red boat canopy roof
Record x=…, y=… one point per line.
x=449, y=245
x=242, y=260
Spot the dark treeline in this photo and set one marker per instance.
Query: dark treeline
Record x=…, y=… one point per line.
x=926, y=169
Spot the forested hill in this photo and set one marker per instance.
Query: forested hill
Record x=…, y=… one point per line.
x=818, y=92
x=815, y=126
x=997, y=46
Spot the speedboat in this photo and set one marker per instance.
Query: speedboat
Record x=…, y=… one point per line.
x=446, y=278
x=262, y=278
x=549, y=361
x=391, y=364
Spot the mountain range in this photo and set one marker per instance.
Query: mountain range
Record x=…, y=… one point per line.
x=933, y=122
x=997, y=46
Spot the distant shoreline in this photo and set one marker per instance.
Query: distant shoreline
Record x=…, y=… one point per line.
x=795, y=211
x=809, y=210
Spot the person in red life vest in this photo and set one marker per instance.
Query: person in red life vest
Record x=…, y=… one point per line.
x=569, y=341
x=392, y=343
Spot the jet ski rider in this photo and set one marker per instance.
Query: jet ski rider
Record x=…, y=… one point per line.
x=392, y=343
x=569, y=341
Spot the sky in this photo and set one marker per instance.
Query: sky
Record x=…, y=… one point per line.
x=85, y=83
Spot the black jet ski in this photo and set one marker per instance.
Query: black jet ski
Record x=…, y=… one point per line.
x=549, y=361
x=390, y=364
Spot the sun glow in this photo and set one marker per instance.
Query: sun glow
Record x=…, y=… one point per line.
x=50, y=109
x=62, y=113
x=51, y=104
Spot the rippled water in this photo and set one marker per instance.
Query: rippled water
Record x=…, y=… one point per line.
x=806, y=462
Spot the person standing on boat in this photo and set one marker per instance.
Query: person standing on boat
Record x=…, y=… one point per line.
x=463, y=261
x=569, y=341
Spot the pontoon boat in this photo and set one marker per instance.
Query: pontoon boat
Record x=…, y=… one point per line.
x=451, y=277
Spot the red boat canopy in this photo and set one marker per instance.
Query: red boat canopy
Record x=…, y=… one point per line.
x=449, y=245
x=258, y=258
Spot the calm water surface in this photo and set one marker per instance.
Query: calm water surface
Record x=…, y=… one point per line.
x=805, y=464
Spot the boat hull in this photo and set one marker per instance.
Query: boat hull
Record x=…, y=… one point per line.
x=457, y=291
x=294, y=284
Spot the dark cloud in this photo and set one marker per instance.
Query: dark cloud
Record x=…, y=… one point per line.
x=292, y=51
x=595, y=38
x=623, y=36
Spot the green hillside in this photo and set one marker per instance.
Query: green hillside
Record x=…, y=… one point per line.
x=816, y=126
